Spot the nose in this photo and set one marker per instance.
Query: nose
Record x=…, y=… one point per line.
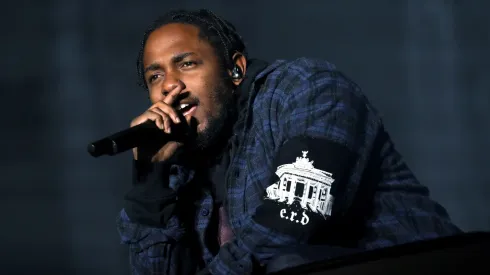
x=171, y=83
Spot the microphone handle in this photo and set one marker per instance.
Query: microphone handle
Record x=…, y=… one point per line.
x=127, y=139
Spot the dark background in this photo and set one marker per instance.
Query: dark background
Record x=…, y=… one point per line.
x=68, y=77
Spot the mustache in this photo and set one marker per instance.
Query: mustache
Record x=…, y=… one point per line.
x=188, y=97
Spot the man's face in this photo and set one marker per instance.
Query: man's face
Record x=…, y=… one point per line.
x=175, y=57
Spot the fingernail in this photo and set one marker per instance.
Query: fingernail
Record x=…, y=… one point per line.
x=177, y=119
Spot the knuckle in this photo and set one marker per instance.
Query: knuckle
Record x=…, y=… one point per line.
x=161, y=104
x=160, y=108
x=165, y=117
x=150, y=115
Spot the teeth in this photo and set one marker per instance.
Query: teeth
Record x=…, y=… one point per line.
x=182, y=106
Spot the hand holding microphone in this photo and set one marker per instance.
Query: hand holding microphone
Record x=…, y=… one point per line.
x=164, y=116
x=154, y=135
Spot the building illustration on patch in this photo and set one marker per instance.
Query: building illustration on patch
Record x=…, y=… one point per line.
x=301, y=181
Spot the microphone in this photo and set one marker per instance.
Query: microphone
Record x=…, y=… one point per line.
x=132, y=137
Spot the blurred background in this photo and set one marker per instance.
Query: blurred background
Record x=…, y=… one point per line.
x=68, y=78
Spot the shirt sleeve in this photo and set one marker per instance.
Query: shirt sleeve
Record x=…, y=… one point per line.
x=316, y=107
x=148, y=223
x=324, y=121
x=402, y=208
x=150, y=201
x=151, y=249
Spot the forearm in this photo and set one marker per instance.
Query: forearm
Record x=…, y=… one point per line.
x=150, y=201
x=405, y=215
x=153, y=250
x=149, y=224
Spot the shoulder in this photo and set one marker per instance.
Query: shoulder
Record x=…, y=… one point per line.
x=300, y=72
x=308, y=97
x=305, y=81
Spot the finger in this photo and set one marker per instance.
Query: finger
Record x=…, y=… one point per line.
x=148, y=115
x=142, y=119
x=172, y=96
x=167, y=109
x=157, y=118
x=164, y=119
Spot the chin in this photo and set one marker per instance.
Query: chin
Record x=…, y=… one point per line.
x=201, y=127
x=209, y=131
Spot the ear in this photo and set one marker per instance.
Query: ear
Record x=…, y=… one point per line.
x=240, y=61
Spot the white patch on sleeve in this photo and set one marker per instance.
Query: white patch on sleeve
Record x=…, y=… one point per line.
x=302, y=189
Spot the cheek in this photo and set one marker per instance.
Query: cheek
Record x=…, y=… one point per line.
x=202, y=114
x=155, y=96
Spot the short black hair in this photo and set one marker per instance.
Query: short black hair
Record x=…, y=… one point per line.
x=220, y=33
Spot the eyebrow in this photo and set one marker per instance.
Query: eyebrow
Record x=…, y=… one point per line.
x=175, y=59
x=181, y=56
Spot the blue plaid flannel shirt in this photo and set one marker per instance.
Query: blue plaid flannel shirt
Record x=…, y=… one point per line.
x=304, y=97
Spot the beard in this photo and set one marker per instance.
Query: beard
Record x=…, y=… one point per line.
x=220, y=124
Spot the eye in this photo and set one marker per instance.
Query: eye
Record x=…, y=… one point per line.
x=153, y=78
x=188, y=64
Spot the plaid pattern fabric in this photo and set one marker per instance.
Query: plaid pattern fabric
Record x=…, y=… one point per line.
x=304, y=97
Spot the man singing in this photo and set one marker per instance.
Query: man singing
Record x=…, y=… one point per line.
x=289, y=162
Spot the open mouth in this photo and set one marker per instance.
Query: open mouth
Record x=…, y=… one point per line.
x=186, y=108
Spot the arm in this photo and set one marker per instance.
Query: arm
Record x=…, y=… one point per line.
x=402, y=208
x=319, y=114
x=148, y=223
x=150, y=248
x=329, y=118
x=405, y=214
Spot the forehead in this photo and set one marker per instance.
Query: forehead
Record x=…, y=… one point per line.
x=173, y=39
